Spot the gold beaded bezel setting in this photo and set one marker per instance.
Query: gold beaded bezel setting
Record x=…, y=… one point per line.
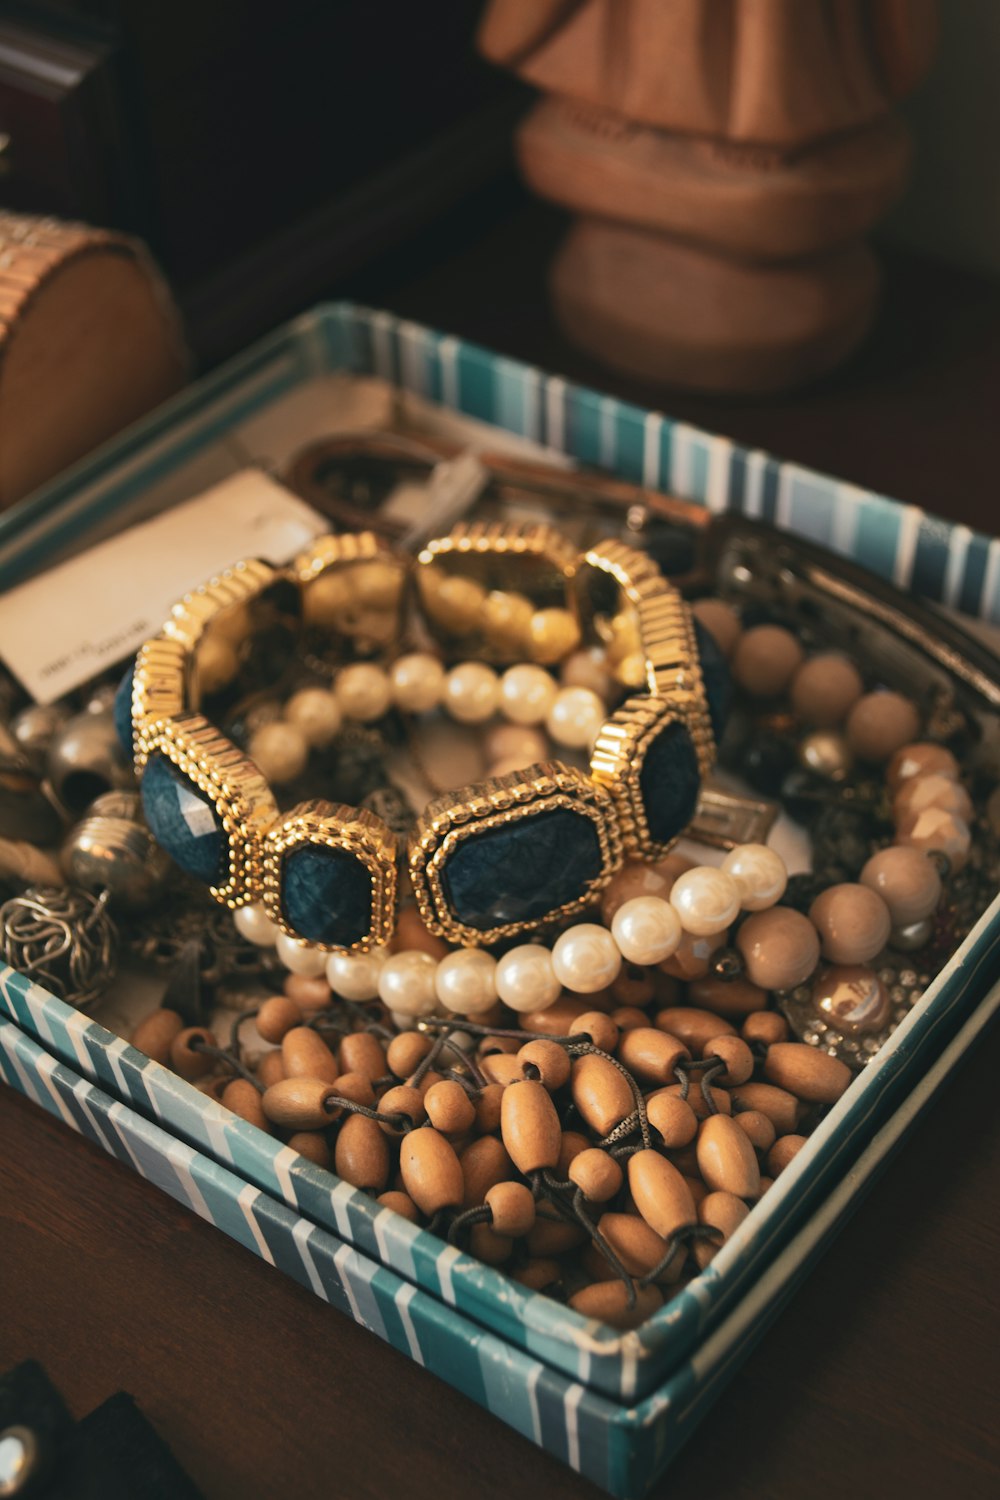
x=354, y=831
x=497, y=803
x=619, y=756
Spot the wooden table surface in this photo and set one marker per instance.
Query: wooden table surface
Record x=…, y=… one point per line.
x=880, y=1377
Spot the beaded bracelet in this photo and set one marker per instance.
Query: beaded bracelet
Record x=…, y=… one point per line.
x=486, y=863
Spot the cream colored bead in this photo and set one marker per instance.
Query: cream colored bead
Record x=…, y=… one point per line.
x=631, y=670
x=316, y=712
x=299, y=957
x=506, y=620
x=527, y=693
x=254, y=924
x=417, y=681
x=515, y=742
x=707, y=900
x=377, y=585
x=406, y=983
x=759, y=873
x=466, y=981
x=933, y=790
x=576, y=718
x=646, y=929
x=506, y=767
x=458, y=603
x=363, y=692
x=554, y=634
x=216, y=663
x=586, y=958
x=472, y=692
x=328, y=598
x=354, y=976
x=279, y=750
x=526, y=980
x=587, y=668
x=233, y=624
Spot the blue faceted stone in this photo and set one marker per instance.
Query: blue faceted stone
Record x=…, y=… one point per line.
x=326, y=895
x=715, y=674
x=522, y=871
x=122, y=712
x=184, y=822
x=669, y=781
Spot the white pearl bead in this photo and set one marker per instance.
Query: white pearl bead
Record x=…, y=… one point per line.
x=505, y=767
x=586, y=958
x=406, y=983
x=707, y=900
x=417, y=682
x=254, y=924
x=646, y=929
x=760, y=874
x=575, y=718
x=515, y=742
x=471, y=692
x=527, y=693
x=355, y=975
x=526, y=980
x=280, y=751
x=315, y=712
x=466, y=981
x=299, y=957
x=363, y=692
x=587, y=668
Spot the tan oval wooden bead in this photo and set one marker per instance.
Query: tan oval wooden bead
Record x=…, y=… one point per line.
x=449, y=1108
x=243, y=1099
x=725, y=1212
x=297, y=1103
x=270, y=1068
x=692, y=1027
x=401, y=1100
x=361, y=1154
x=546, y=1062
x=154, y=1035
x=309, y=991
x=311, y=1145
x=432, y=1173
x=757, y=1128
x=726, y=1159
x=214, y=1085
x=780, y=1107
x=659, y=1192
x=276, y=1017
x=730, y=998
x=493, y=1046
x=361, y=1052
x=784, y=1150
x=487, y=1245
x=631, y=988
x=557, y=1019
x=764, y=1028
x=306, y=1055
x=488, y=1107
x=538, y=1274
x=573, y=1142
x=529, y=1127
x=512, y=1207
x=628, y=1016
x=406, y=1052
x=608, y=1302
x=686, y=1162
x=809, y=1074
x=400, y=1203
x=736, y=1055
x=484, y=1163
x=356, y=1088
x=651, y=1054
x=696, y=1099
x=186, y=1059
x=596, y=1174
x=765, y=1183
x=551, y=1236
x=638, y=1247
x=503, y=1068
x=779, y=947
x=600, y=1092
x=673, y=1118
x=598, y=1027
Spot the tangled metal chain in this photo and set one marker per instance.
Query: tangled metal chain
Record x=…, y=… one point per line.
x=62, y=937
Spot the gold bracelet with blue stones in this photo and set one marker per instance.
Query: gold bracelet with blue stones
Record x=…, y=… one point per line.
x=493, y=861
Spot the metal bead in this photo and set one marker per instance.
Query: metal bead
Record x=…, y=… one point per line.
x=909, y=939
x=852, y=998
x=86, y=759
x=35, y=727
x=63, y=939
x=726, y=963
x=826, y=753
x=111, y=850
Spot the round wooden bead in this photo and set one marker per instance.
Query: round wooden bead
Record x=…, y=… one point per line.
x=185, y=1056
x=529, y=1127
x=907, y=881
x=692, y=957
x=276, y=1017
x=449, y=1108
x=660, y=1193
x=825, y=689
x=779, y=947
x=311, y=992
x=512, y=1207
x=853, y=923
x=765, y=660
x=674, y=1118
x=585, y=958
x=305, y=1055
x=406, y=1052
x=811, y=1075
x=721, y=621
x=879, y=724
x=298, y=1103
x=922, y=758
x=735, y=1054
x=156, y=1032
x=361, y=1154
x=431, y=1172
x=545, y=1061
x=937, y=831
x=726, y=1159
x=401, y=1100
x=596, y=1173
x=931, y=790
x=759, y=873
x=600, y=1092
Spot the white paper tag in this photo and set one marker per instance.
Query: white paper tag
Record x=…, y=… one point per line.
x=64, y=626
